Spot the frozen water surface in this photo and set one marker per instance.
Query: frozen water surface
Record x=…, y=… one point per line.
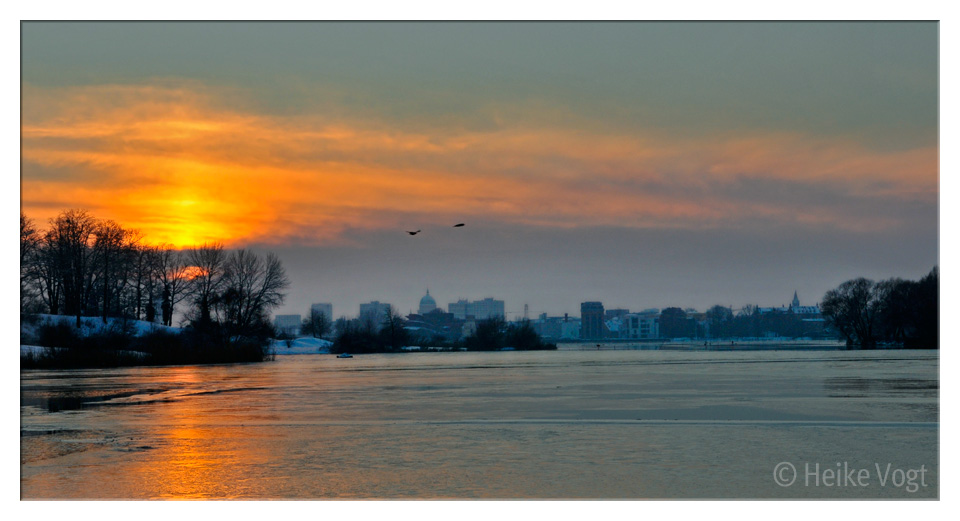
x=561, y=424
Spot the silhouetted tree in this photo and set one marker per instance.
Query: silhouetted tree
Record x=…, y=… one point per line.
x=354, y=337
x=494, y=333
x=370, y=322
x=253, y=286
x=521, y=335
x=393, y=335
x=46, y=274
x=111, y=252
x=317, y=324
x=852, y=309
x=146, y=285
x=746, y=323
x=29, y=250
x=719, y=318
x=173, y=273
x=894, y=308
x=207, y=266
x=488, y=336
x=675, y=324
x=923, y=325
x=69, y=241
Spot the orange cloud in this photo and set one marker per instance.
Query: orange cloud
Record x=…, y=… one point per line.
x=182, y=167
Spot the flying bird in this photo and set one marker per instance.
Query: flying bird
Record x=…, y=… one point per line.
x=458, y=225
x=414, y=233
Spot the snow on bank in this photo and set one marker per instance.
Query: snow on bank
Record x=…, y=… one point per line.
x=34, y=350
x=301, y=346
x=92, y=325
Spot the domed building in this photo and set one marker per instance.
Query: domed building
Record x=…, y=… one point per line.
x=427, y=304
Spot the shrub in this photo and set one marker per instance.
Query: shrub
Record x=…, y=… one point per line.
x=57, y=335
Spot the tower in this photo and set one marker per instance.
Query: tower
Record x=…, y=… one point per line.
x=591, y=320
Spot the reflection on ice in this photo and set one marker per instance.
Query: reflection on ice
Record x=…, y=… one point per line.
x=567, y=424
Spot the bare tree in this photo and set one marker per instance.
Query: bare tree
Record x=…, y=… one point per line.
x=173, y=271
x=393, y=336
x=29, y=247
x=252, y=286
x=144, y=281
x=317, y=324
x=112, y=250
x=69, y=239
x=207, y=265
x=46, y=274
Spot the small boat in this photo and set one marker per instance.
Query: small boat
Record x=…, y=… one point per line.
x=344, y=355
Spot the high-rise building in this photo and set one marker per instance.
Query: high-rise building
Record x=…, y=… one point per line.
x=459, y=309
x=591, y=320
x=287, y=324
x=488, y=308
x=478, y=309
x=375, y=310
x=323, y=307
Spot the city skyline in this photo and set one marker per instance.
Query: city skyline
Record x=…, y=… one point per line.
x=512, y=314
x=640, y=164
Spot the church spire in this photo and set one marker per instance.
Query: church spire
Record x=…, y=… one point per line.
x=796, y=301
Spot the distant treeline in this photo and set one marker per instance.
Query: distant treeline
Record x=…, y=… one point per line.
x=83, y=266
x=901, y=312
x=722, y=322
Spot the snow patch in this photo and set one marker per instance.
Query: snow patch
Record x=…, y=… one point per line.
x=93, y=325
x=301, y=346
x=34, y=350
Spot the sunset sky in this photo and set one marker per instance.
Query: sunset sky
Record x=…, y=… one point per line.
x=640, y=164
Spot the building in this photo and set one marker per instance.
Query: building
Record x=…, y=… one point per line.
x=287, y=324
x=795, y=308
x=323, y=307
x=611, y=314
x=792, y=320
x=375, y=310
x=488, y=308
x=640, y=326
x=427, y=304
x=612, y=327
x=458, y=309
x=557, y=328
x=591, y=320
x=478, y=309
x=570, y=329
x=547, y=327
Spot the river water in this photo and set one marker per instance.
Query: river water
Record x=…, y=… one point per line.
x=556, y=424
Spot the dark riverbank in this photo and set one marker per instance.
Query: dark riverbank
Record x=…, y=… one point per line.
x=54, y=343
